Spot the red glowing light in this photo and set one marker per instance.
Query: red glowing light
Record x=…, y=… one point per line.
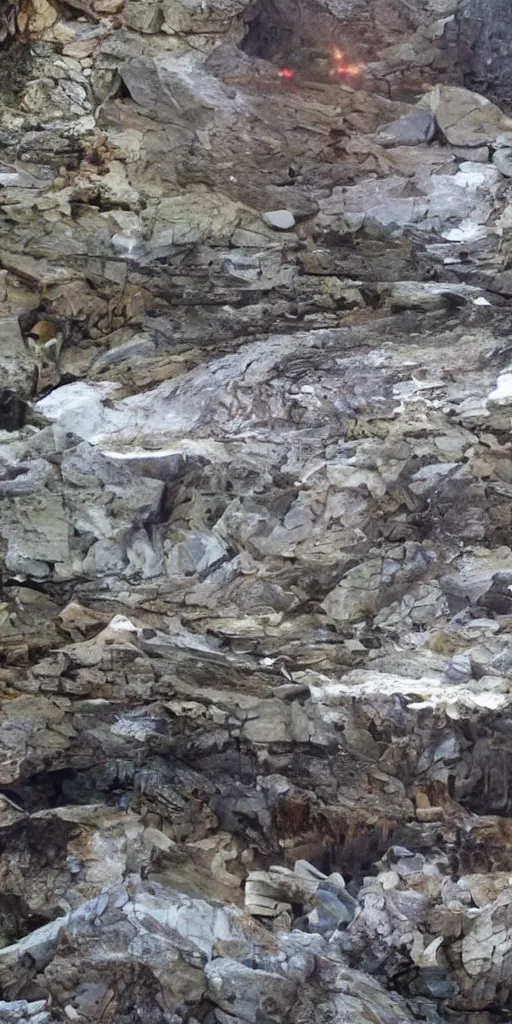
x=286, y=73
x=345, y=69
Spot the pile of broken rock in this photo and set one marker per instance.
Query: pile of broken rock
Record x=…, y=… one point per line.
x=255, y=514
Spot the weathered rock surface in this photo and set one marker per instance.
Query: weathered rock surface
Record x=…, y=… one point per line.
x=255, y=513
x=485, y=31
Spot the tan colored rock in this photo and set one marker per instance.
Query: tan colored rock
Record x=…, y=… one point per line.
x=429, y=813
x=98, y=8
x=35, y=17
x=422, y=801
x=464, y=117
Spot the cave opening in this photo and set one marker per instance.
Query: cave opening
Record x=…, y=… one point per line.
x=267, y=38
x=17, y=919
x=16, y=62
x=72, y=787
x=302, y=36
x=13, y=410
x=474, y=43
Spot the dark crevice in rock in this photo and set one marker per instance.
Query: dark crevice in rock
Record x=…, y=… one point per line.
x=17, y=921
x=73, y=787
x=13, y=410
x=16, y=62
x=298, y=33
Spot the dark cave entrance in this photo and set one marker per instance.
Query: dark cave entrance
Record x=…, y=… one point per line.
x=267, y=37
x=107, y=784
x=300, y=34
x=16, y=60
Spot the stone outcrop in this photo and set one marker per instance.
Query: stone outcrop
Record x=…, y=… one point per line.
x=255, y=517
x=484, y=32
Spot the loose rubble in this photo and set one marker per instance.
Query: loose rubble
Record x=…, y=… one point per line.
x=255, y=515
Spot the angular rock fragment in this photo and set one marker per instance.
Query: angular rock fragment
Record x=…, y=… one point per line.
x=282, y=220
x=410, y=130
x=465, y=118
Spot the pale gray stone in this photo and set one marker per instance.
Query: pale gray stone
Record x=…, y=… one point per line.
x=281, y=220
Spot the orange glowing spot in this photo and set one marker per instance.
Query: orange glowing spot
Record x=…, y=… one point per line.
x=345, y=69
x=338, y=54
x=286, y=73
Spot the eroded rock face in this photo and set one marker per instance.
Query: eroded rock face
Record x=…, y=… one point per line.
x=485, y=35
x=255, y=526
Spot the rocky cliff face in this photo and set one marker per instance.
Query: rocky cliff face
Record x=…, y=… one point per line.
x=255, y=512
x=485, y=37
